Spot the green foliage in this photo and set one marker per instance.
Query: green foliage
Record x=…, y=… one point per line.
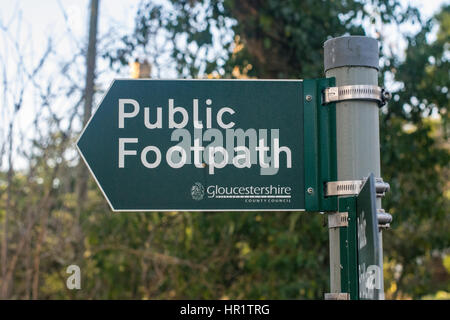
x=415, y=161
x=277, y=255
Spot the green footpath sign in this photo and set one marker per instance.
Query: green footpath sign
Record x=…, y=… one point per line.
x=204, y=145
x=370, y=273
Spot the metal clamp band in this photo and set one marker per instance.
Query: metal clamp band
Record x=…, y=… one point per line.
x=356, y=92
x=343, y=188
x=337, y=296
x=353, y=187
x=338, y=219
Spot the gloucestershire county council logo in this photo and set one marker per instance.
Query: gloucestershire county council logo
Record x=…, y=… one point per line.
x=197, y=191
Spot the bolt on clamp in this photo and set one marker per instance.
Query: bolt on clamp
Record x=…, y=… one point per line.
x=356, y=92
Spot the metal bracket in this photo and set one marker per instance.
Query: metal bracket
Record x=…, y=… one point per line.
x=337, y=296
x=343, y=188
x=353, y=187
x=356, y=92
x=384, y=219
x=338, y=219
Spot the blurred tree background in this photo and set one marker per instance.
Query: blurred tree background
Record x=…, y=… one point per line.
x=52, y=217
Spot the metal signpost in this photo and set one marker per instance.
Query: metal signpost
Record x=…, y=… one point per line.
x=353, y=62
x=254, y=145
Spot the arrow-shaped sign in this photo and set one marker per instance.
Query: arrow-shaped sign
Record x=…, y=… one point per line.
x=159, y=145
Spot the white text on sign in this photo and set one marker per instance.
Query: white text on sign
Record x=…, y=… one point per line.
x=238, y=147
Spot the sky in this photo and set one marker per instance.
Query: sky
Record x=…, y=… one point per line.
x=42, y=20
x=45, y=18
